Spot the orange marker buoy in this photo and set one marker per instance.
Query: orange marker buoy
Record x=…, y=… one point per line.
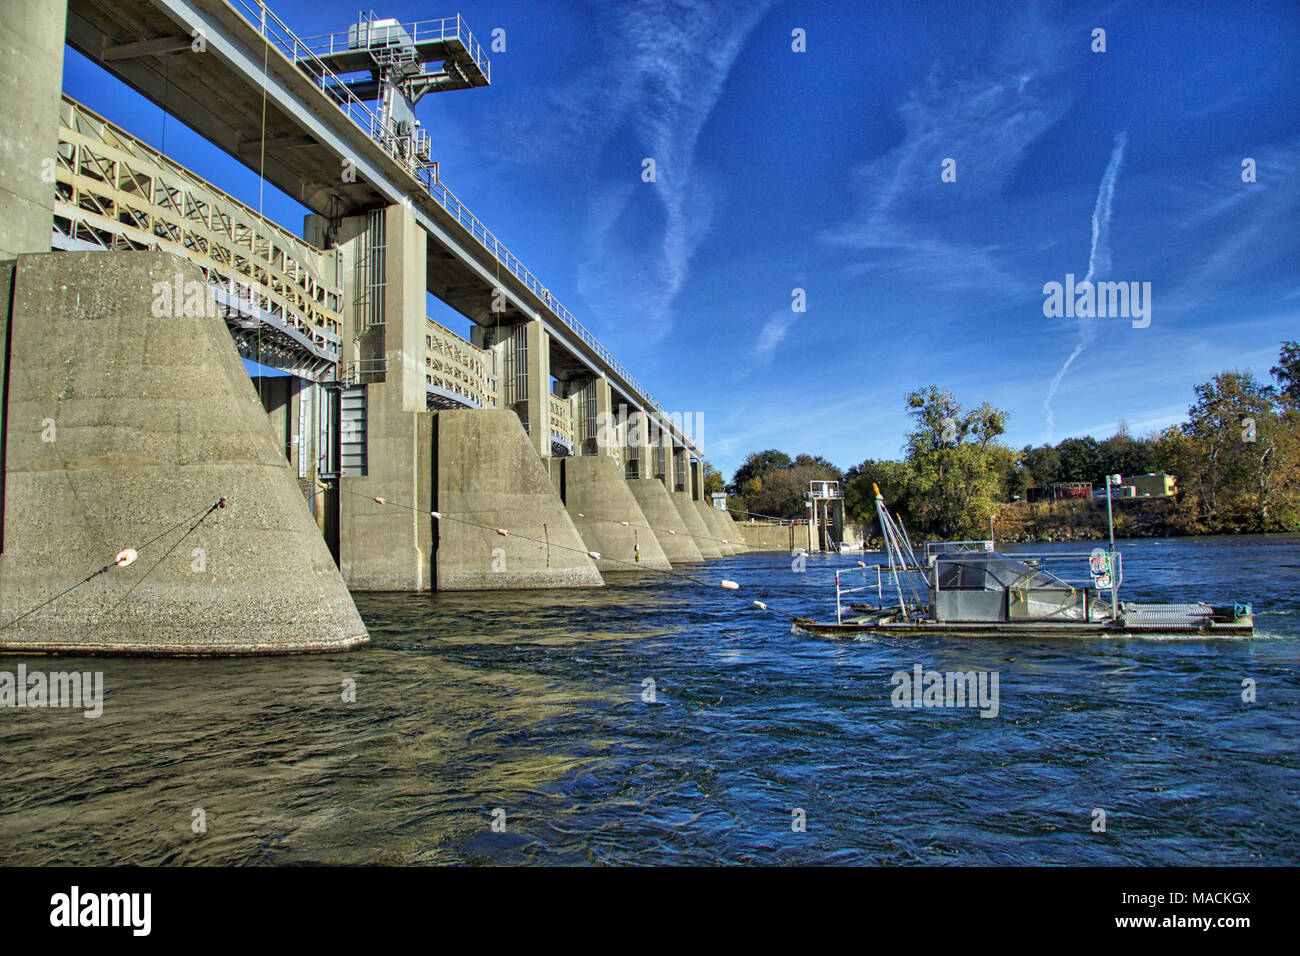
x=380, y=501
x=502, y=531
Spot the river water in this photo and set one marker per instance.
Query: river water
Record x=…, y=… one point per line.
x=531, y=710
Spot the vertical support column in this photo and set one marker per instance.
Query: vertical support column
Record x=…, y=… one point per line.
x=31, y=48
x=404, y=312
x=640, y=424
x=682, y=468
x=495, y=343
x=670, y=463
x=593, y=426
x=538, y=388
x=389, y=547
x=604, y=418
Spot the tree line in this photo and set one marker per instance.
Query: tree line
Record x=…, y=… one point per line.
x=1236, y=458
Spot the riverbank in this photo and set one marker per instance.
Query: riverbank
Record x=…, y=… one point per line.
x=1085, y=520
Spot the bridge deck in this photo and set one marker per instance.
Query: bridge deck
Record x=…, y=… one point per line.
x=248, y=93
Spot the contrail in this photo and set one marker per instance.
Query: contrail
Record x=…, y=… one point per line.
x=1098, y=261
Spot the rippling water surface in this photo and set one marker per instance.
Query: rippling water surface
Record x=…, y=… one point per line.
x=531, y=703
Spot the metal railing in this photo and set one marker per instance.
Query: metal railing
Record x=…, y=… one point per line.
x=276, y=32
x=446, y=28
x=456, y=369
x=112, y=190
x=561, y=420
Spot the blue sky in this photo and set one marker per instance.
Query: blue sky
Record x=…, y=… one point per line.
x=820, y=170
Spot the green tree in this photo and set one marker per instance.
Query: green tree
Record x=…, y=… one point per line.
x=711, y=479
x=754, y=466
x=1080, y=459
x=894, y=480
x=1287, y=370
x=1043, y=464
x=1244, y=433
x=957, y=466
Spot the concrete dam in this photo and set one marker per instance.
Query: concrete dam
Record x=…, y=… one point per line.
x=214, y=427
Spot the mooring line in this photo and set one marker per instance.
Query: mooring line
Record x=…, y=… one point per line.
x=219, y=503
x=725, y=584
x=124, y=558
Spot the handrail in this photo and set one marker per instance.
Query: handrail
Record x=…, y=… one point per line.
x=274, y=30
x=417, y=30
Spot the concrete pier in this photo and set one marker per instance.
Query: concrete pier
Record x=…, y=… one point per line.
x=717, y=528
x=662, y=515
x=599, y=500
x=382, y=412
x=388, y=548
x=734, y=534
x=488, y=477
x=685, y=506
x=126, y=419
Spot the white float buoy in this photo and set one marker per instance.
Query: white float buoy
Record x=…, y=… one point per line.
x=435, y=514
x=595, y=555
x=125, y=556
x=759, y=606
x=731, y=585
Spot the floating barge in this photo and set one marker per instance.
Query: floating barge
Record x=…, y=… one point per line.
x=968, y=589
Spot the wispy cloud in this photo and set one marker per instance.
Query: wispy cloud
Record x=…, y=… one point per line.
x=1247, y=228
x=774, y=331
x=912, y=226
x=1098, y=262
x=662, y=93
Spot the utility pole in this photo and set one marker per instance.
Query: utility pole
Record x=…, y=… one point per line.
x=1114, y=572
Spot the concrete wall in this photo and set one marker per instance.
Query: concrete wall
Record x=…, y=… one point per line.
x=121, y=426
x=662, y=515
x=766, y=537
x=599, y=501
x=488, y=476
x=31, y=49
